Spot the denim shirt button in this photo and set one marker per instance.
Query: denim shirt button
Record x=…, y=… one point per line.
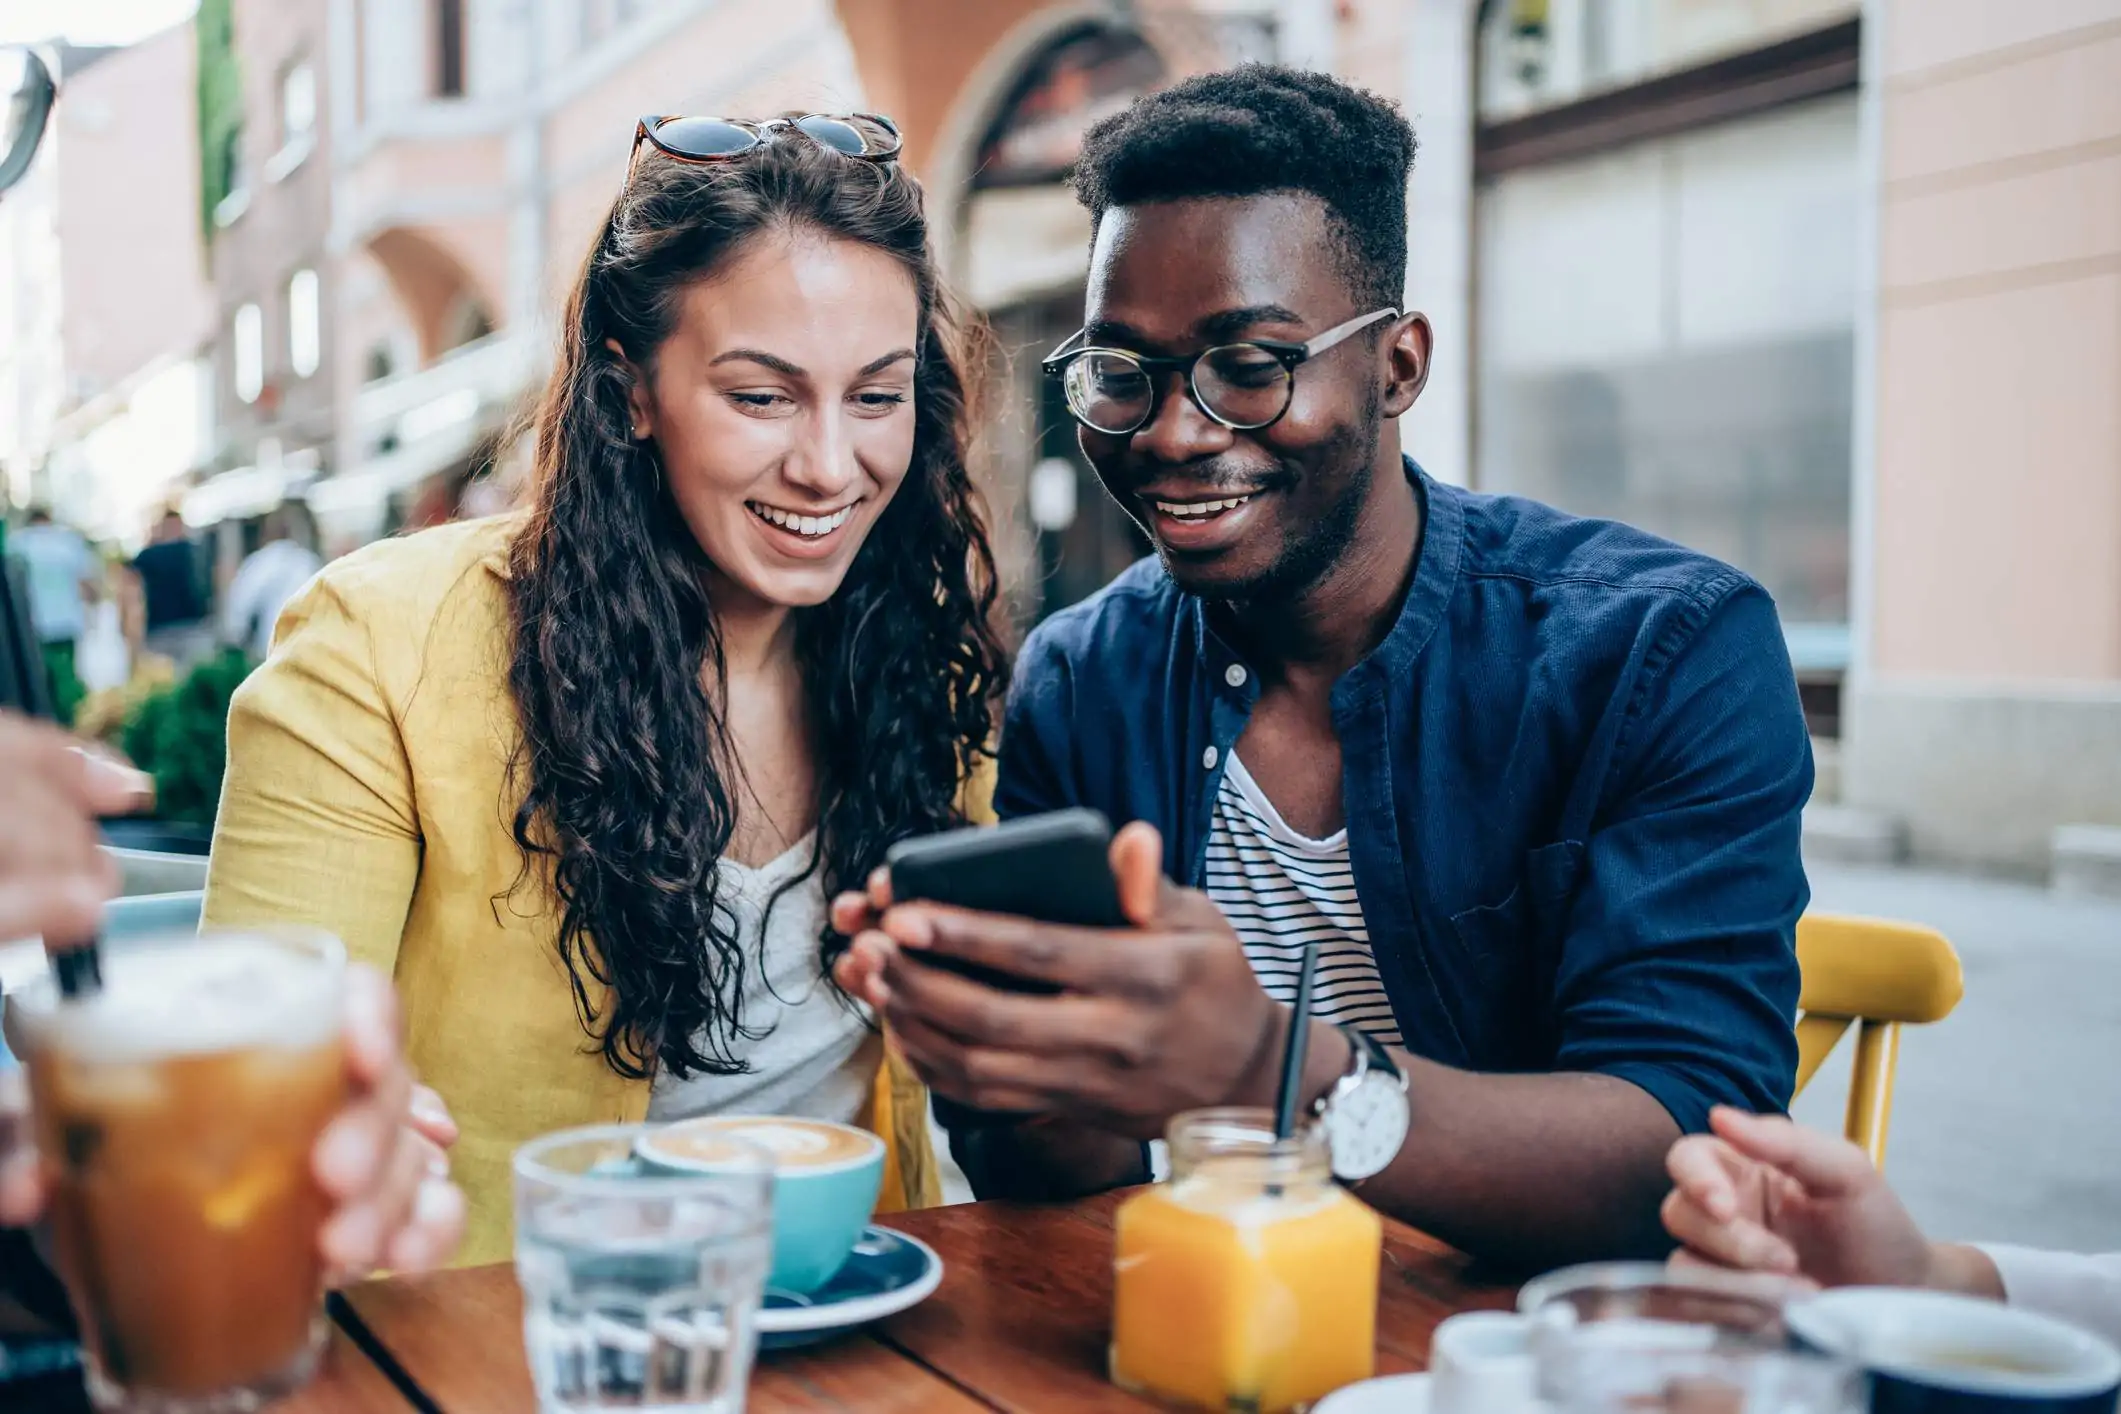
x=1234, y=675
x=1209, y=757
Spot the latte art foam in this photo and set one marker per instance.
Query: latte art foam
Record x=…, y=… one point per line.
x=794, y=1143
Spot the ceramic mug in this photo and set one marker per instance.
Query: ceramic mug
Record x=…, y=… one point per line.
x=825, y=1181
x=1930, y=1352
x=1480, y=1362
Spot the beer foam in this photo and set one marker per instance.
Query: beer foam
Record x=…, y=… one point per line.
x=221, y=992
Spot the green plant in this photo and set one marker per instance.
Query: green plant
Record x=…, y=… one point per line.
x=220, y=107
x=179, y=735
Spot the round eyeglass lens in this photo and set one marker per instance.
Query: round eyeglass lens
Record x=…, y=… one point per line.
x=705, y=137
x=1242, y=384
x=1109, y=391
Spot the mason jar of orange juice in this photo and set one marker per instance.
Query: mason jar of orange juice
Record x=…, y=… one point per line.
x=1249, y=1280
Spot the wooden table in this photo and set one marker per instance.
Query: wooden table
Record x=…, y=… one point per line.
x=1020, y=1323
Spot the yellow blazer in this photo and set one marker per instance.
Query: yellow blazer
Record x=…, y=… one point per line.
x=367, y=794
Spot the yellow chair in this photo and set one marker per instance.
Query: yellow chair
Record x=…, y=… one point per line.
x=1878, y=976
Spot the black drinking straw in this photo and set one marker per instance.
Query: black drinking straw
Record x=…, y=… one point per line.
x=79, y=969
x=1292, y=1056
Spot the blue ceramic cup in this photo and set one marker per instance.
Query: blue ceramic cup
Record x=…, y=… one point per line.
x=1929, y=1352
x=825, y=1182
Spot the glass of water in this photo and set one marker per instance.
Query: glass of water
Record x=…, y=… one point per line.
x=641, y=1287
x=1620, y=1337
x=1607, y=1373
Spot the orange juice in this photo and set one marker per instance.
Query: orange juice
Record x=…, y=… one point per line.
x=1249, y=1281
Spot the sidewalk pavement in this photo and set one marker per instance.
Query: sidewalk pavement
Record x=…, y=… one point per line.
x=2007, y=1121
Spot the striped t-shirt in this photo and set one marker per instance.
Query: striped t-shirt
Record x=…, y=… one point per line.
x=1282, y=892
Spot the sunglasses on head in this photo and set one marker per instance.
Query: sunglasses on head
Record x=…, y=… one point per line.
x=869, y=137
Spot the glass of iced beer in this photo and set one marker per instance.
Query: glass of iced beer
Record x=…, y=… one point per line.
x=176, y=1112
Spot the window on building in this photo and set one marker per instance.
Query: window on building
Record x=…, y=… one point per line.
x=1667, y=226
x=247, y=352
x=449, y=48
x=606, y=17
x=1537, y=54
x=298, y=120
x=305, y=345
x=235, y=179
x=298, y=104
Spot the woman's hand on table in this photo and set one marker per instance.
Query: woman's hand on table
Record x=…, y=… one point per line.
x=385, y=1159
x=1763, y=1194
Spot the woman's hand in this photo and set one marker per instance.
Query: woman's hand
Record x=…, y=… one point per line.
x=1762, y=1194
x=384, y=1159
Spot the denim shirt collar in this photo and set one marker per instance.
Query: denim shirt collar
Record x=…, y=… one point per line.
x=1436, y=571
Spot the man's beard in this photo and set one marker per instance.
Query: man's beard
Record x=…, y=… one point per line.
x=1310, y=557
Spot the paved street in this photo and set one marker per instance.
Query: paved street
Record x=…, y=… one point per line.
x=2008, y=1120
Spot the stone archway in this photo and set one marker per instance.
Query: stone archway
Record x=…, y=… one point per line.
x=442, y=301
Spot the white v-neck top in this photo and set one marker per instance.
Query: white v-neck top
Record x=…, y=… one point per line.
x=1283, y=892
x=818, y=1057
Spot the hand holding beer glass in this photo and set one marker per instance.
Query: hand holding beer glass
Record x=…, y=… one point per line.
x=221, y=1128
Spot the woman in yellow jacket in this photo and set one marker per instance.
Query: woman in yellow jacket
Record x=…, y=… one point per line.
x=583, y=778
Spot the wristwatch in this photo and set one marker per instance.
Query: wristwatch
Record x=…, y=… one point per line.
x=1366, y=1113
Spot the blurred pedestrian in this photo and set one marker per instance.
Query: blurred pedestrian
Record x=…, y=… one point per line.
x=64, y=576
x=177, y=626
x=268, y=577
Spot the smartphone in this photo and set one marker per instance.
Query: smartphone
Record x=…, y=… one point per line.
x=1055, y=867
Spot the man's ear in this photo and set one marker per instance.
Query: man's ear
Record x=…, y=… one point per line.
x=1407, y=362
x=639, y=405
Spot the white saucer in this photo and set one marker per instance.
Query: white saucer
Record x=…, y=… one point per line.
x=1393, y=1394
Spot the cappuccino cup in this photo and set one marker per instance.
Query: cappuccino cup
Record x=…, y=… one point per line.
x=825, y=1183
x=1930, y=1352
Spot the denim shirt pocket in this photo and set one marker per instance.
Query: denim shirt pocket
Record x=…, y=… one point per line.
x=1514, y=947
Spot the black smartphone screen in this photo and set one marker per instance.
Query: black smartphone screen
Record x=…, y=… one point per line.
x=1054, y=867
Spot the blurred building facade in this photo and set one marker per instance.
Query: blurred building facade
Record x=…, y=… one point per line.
x=104, y=295
x=1830, y=288
x=265, y=192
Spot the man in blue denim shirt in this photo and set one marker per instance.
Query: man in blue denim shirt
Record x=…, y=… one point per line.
x=1530, y=784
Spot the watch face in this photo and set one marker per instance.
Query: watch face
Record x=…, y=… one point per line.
x=1366, y=1126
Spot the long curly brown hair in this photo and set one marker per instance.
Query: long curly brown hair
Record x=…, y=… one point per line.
x=625, y=762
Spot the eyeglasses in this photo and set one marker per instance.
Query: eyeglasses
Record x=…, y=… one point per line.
x=870, y=137
x=1244, y=386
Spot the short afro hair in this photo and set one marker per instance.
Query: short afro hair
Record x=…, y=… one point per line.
x=1266, y=128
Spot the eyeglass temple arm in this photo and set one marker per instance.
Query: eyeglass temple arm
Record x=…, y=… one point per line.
x=1315, y=346
x=1067, y=346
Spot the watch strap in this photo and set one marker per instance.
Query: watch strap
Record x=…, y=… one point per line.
x=1374, y=1053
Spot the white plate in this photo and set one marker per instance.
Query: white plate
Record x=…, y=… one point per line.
x=887, y=1272
x=1394, y=1394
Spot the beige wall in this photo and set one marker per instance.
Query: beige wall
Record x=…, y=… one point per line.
x=1998, y=510
x=133, y=270
x=1988, y=712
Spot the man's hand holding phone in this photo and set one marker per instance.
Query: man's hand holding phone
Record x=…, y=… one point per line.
x=1150, y=1019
